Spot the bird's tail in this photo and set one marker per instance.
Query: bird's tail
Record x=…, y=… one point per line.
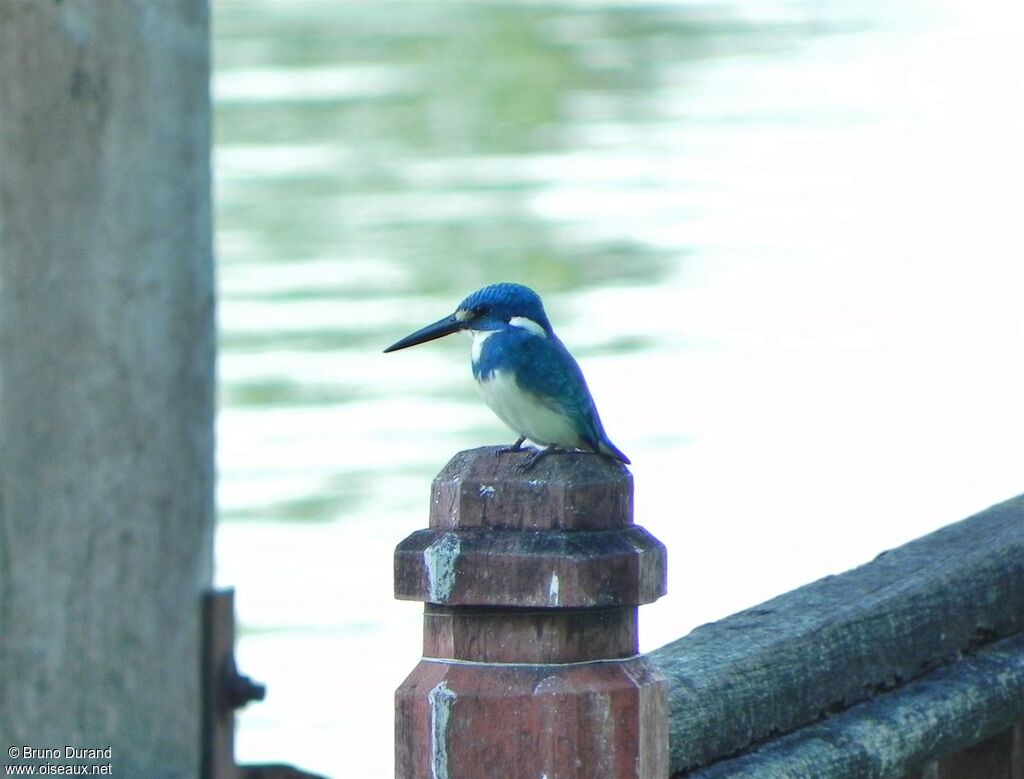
x=604, y=446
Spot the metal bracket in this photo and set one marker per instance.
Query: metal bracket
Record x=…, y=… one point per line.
x=224, y=689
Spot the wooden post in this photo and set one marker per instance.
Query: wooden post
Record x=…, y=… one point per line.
x=106, y=379
x=531, y=583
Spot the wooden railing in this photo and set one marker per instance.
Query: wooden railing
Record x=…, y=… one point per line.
x=897, y=668
x=909, y=667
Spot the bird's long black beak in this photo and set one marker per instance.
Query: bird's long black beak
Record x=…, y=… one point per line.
x=441, y=328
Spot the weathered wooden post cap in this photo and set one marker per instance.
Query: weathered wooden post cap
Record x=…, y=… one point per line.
x=594, y=494
x=531, y=582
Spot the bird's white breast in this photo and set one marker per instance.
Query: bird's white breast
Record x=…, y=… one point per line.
x=525, y=413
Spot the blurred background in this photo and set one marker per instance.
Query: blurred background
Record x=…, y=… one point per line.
x=783, y=239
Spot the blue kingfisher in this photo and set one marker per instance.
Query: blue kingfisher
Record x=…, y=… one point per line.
x=524, y=372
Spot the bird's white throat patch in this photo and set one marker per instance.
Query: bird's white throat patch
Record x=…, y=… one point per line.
x=478, y=336
x=527, y=324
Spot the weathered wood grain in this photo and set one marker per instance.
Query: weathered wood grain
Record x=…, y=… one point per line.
x=973, y=701
x=844, y=639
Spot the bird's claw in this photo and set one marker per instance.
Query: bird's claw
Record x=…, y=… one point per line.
x=535, y=458
x=516, y=447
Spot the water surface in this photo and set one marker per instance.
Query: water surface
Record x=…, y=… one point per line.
x=782, y=239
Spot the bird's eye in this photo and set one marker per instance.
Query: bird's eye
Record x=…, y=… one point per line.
x=481, y=310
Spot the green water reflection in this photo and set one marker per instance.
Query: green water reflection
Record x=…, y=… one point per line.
x=400, y=134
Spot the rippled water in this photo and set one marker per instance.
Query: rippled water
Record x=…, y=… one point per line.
x=782, y=238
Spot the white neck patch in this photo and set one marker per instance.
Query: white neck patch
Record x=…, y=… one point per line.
x=526, y=323
x=479, y=336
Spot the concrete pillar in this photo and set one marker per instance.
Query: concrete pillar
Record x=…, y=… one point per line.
x=106, y=377
x=531, y=582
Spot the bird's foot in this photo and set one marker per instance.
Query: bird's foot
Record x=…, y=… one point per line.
x=536, y=457
x=516, y=447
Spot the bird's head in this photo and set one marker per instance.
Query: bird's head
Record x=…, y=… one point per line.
x=490, y=308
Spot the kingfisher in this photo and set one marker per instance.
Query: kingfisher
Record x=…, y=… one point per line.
x=524, y=372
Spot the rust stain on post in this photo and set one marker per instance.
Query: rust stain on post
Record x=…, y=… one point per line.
x=531, y=584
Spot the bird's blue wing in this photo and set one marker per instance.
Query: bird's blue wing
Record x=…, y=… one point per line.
x=546, y=370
